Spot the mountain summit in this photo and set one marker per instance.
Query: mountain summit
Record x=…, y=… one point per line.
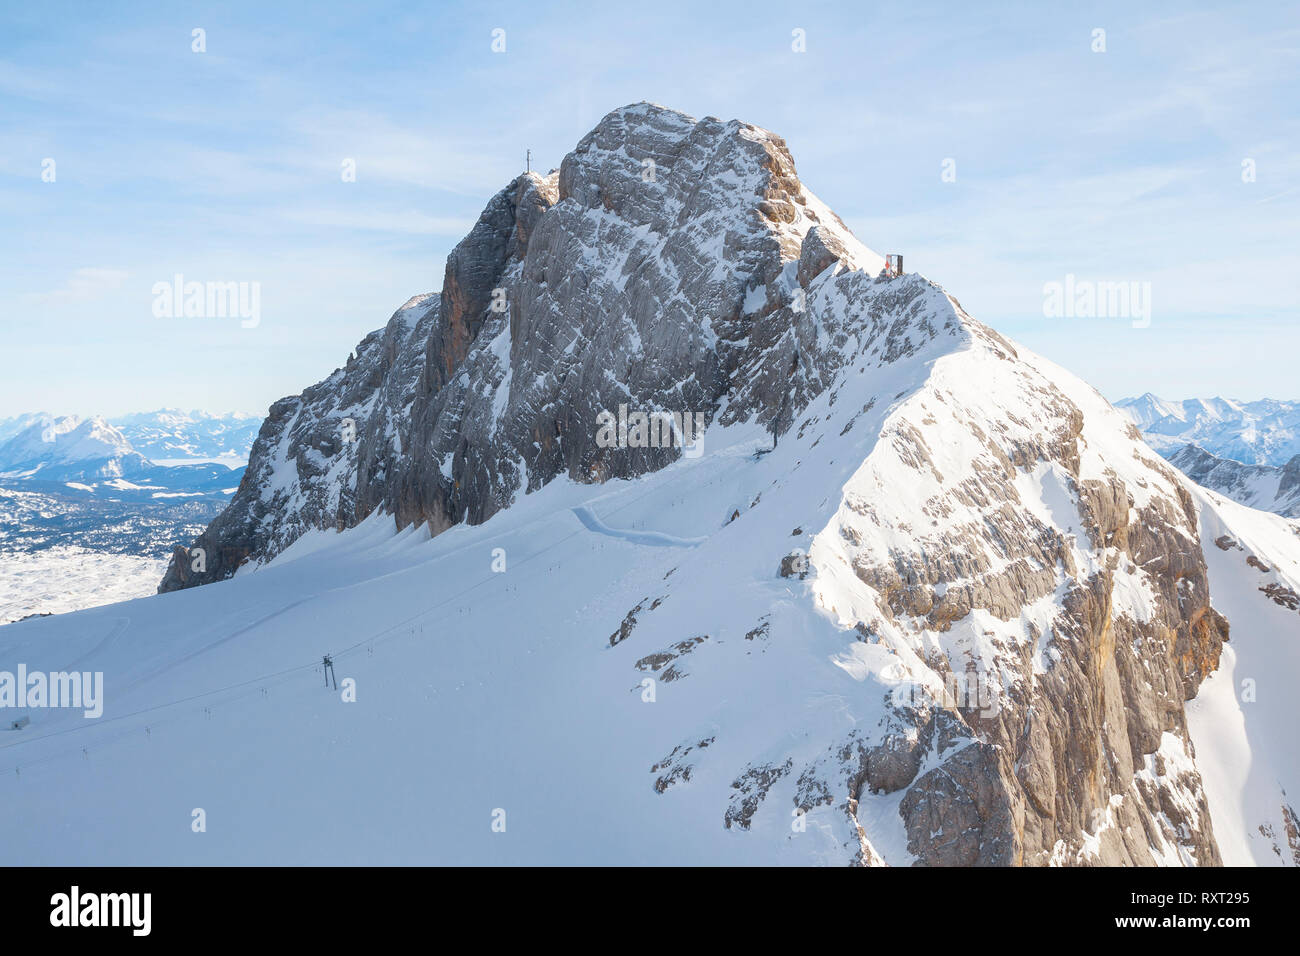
x=665, y=266
x=959, y=614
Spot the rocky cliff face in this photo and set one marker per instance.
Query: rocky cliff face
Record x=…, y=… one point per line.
x=1019, y=552
x=662, y=267
x=1022, y=582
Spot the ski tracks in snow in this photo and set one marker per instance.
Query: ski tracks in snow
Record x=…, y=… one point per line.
x=652, y=538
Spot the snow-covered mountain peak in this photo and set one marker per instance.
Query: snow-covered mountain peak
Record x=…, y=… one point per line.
x=70, y=447
x=891, y=507
x=92, y=437
x=659, y=168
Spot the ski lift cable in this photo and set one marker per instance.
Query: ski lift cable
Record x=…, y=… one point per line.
x=112, y=737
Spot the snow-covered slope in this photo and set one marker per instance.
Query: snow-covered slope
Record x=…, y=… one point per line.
x=1265, y=432
x=1244, y=719
x=1259, y=486
x=954, y=616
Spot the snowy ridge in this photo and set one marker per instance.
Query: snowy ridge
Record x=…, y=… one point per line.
x=999, y=528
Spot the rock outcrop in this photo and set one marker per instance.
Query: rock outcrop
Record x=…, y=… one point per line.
x=655, y=269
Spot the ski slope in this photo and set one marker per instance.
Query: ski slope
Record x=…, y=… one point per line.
x=475, y=690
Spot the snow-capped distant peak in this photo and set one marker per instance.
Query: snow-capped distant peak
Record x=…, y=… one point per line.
x=1263, y=432
x=169, y=434
x=69, y=448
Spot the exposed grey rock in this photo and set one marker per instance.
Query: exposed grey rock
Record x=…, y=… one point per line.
x=660, y=287
x=817, y=254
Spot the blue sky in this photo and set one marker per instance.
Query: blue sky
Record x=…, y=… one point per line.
x=1123, y=165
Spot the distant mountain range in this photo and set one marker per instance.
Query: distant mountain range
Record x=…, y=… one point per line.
x=70, y=448
x=170, y=433
x=1265, y=432
x=1246, y=451
x=148, y=445
x=76, y=486
x=1266, y=487
x=162, y=436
